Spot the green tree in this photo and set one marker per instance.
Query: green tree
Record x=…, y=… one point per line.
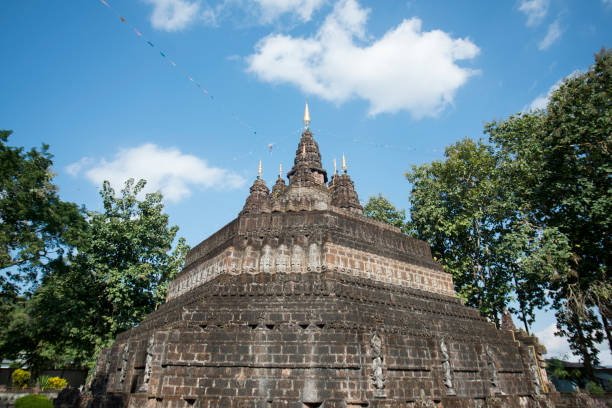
x=381, y=209
x=564, y=157
x=458, y=206
x=35, y=225
x=36, y=229
x=116, y=276
x=469, y=208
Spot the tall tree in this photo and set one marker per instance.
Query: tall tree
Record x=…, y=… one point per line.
x=457, y=206
x=117, y=275
x=35, y=225
x=564, y=155
x=381, y=209
x=467, y=207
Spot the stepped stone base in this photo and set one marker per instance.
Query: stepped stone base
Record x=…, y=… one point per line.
x=315, y=340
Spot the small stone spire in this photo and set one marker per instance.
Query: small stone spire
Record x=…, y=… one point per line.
x=280, y=171
x=306, y=117
x=258, y=200
x=335, y=169
x=343, y=190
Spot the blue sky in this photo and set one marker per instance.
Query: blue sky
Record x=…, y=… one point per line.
x=389, y=83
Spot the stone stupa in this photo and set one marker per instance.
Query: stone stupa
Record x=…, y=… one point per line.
x=302, y=301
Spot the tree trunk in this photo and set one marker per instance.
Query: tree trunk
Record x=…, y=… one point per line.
x=521, y=301
x=605, y=318
x=586, y=356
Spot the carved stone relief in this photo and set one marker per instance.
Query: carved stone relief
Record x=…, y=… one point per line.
x=377, y=364
x=493, y=377
x=446, y=368
x=124, y=363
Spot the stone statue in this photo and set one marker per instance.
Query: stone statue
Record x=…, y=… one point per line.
x=377, y=364
x=147, y=370
x=124, y=362
x=448, y=379
x=493, y=378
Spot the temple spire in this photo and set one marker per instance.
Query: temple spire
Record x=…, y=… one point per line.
x=280, y=170
x=259, y=172
x=343, y=163
x=335, y=169
x=306, y=117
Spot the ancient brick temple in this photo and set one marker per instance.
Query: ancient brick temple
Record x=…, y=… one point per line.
x=301, y=301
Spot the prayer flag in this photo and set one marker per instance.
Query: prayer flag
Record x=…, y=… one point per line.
x=198, y=85
x=138, y=32
x=205, y=92
x=105, y=3
x=122, y=19
x=191, y=79
x=162, y=54
x=150, y=43
x=173, y=63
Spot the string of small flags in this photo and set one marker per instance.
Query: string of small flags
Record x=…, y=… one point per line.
x=172, y=63
x=271, y=146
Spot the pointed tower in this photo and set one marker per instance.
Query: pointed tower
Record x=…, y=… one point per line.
x=302, y=301
x=343, y=191
x=307, y=170
x=258, y=200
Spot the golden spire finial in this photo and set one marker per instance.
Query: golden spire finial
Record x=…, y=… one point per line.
x=306, y=117
x=280, y=171
x=343, y=163
x=335, y=169
x=259, y=172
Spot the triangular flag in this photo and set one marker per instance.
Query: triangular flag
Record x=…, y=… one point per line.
x=122, y=19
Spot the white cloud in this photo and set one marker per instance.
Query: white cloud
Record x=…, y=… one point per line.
x=541, y=101
x=272, y=9
x=407, y=69
x=166, y=170
x=559, y=348
x=76, y=167
x=173, y=15
x=553, y=34
x=535, y=10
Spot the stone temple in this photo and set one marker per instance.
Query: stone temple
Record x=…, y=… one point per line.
x=302, y=301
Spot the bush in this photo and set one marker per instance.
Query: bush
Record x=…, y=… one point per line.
x=43, y=382
x=57, y=383
x=595, y=389
x=20, y=378
x=33, y=401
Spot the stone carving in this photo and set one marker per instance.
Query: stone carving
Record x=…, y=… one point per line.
x=423, y=402
x=314, y=256
x=124, y=363
x=535, y=377
x=282, y=259
x=297, y=258
x=266, y=259
x=149, y=360
x=448, y=378
x=377, y=364
x=492, y=366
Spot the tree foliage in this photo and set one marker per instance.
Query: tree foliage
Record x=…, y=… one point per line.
x=564, y=157
x=118, y=276
x=381, y=209
x=91, y=274
x=35, y=225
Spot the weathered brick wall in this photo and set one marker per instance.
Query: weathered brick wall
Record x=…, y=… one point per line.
x=307, y=242
x=273, y=339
